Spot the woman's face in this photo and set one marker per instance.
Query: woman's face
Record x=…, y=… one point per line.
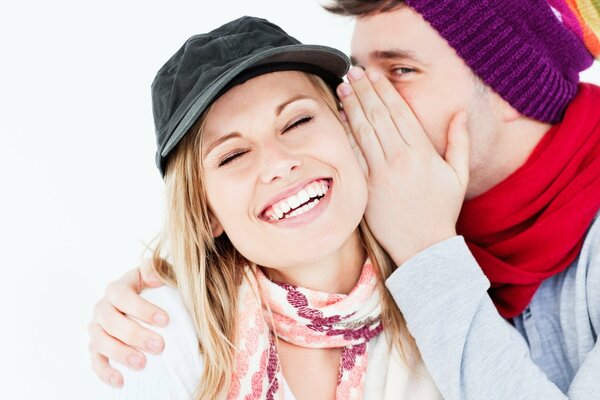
x=280, y=175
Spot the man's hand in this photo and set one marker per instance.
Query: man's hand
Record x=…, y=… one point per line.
x=116, y=337
x=415, y=195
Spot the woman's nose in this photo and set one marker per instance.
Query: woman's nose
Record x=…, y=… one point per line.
x=278, y=163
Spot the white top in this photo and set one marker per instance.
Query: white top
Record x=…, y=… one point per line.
x=176, y=372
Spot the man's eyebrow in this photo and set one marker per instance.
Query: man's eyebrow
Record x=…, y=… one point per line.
x=390, y=54
x=220, y=140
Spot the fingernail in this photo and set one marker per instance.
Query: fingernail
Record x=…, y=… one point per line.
x=344, y=90
x=343, y=115
x=373, y=76
x=160, y=319
x=154, y=345
x=115, y=381
x=356, y=73
x=135, y=361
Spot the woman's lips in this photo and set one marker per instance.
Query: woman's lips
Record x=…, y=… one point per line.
x=317, y=194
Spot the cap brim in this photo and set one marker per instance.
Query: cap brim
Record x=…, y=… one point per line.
x=326, y=58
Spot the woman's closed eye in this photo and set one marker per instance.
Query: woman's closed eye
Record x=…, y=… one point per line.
x=231, y=156
x=236, y=154
x=298, y=122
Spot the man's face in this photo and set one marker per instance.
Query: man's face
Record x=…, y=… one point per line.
x=430, y=76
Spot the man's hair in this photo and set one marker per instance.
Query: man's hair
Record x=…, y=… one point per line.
x=359, y=8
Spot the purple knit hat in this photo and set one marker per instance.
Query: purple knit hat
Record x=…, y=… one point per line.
x=519, y=48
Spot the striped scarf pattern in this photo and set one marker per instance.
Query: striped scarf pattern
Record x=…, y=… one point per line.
x=305, y=318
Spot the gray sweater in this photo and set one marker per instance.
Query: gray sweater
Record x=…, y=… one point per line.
x=473, y=353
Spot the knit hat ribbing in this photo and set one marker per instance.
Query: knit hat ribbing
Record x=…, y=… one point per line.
x=519, y=48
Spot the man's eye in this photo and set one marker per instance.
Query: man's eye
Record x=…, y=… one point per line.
x=401, y=71
x=230, y=157
x=299, y=122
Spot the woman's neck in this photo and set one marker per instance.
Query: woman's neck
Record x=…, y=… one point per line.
x=336, y=273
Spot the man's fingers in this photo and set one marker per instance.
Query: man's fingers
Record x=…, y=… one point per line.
x=126, y=330
x=109, y=347
x=458, y=148
x=361, y=128
x=401, y=114
x=124, y=296
x=376, y=112
x=105, y=372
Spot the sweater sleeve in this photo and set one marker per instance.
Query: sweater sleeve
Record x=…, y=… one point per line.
x=586, y=383
x=470, y=351
x=174, y=374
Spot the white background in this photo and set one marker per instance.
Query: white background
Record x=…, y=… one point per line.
x=80, y=193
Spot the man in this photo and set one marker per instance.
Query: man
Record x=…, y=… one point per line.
x=531, y=202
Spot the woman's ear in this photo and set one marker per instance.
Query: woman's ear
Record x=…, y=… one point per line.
x=215, y=225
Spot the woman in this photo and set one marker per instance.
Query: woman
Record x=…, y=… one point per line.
x=278, y=280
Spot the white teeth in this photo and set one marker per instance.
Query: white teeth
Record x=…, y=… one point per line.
x=285, y=206
x=323, y=187
x=293, y=202
x=279, y=212
x=303, y=196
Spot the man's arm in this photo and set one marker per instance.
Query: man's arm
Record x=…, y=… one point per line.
x=469, y=349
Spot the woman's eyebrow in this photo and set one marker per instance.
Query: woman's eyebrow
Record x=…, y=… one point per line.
x=279, y=109
x=220, y=140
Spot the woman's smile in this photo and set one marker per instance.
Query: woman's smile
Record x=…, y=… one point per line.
x=297, y=195
x=306, y=202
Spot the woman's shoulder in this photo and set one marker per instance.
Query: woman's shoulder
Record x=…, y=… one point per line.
x=174, y=373
x=181, y=325
x=167, y=298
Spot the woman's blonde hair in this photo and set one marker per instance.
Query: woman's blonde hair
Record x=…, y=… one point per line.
x=207, y=271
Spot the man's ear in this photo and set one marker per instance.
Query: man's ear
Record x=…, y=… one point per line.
x=215, y=225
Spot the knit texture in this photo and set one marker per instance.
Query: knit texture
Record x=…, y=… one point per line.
x=583, y=18
x=520, y=48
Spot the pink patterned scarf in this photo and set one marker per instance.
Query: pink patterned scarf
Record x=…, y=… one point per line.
x=304, y=318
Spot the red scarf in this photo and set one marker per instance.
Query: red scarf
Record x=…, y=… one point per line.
x=532, y=225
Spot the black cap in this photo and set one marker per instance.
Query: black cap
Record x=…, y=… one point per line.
x=209, y=64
